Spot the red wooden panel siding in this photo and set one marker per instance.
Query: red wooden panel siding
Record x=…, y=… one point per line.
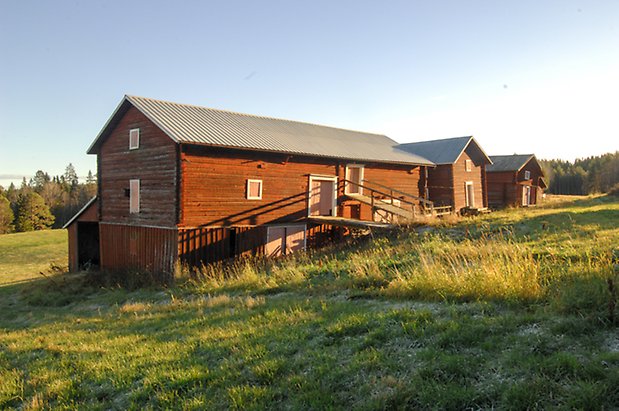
x=213, y=188
x=440, y=185
x=461, y=176
x=142, y=248
x=73, y=247
x=153, y=163
x=206, y=245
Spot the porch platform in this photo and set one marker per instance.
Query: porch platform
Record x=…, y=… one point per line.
x=349, y=222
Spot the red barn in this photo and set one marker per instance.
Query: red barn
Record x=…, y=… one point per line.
x=182, y=183
x=459, y=178
x=515, y=180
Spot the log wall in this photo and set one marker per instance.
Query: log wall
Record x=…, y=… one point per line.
x=153, y=163
x=461, y=176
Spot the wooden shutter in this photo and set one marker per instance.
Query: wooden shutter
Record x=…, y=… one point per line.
x=134, y=196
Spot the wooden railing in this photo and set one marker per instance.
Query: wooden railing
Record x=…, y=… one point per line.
x=428, y=205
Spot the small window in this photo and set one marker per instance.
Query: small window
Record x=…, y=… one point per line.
x=527, y=175
x=134, y=138
x=354, y=177
x=468, y=165
x=134, y=196
x=254, y=189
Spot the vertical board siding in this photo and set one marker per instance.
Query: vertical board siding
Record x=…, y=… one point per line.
x=73, y=247
x=91, y=214
x=142, y=248
x=204, y=245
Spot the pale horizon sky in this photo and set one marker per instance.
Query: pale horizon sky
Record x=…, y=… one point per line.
x=521, y=77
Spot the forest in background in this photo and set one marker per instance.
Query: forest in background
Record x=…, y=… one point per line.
x=49, y=202
x=598, y=174
x=44, y=201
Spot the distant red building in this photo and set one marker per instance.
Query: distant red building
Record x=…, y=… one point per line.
x=515, y=180
x=459, y=178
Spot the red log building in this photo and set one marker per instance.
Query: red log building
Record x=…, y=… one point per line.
x=515, y=180
x=459, y=178
x=182, y=183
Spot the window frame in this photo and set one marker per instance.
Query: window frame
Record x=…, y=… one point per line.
x=361, y=168
x=527, y=174
x=468, y=165
x=247, y=190
x=469, y=201
x=137, y=145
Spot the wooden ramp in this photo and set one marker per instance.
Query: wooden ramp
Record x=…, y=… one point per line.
x=349, y=222
x=381, y=205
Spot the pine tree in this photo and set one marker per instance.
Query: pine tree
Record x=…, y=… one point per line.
x=32, y=213
x=70, y=176
x=90, y=179
x=39, y=180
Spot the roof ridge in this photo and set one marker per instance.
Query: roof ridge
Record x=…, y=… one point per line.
x=438, y=139
x=130, y=97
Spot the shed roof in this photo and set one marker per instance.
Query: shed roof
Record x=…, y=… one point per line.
x=82, y=211
x=512, y=162
x=445, y=151
x=187, y=124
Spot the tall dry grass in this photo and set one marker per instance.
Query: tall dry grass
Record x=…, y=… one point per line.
x=428, y=267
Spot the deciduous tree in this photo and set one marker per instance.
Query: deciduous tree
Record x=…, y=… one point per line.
x=32, y=213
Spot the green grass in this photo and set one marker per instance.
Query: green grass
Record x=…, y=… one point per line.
x=437, y=319
x=24, y=255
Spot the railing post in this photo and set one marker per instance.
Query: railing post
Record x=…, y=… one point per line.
x=372, y=202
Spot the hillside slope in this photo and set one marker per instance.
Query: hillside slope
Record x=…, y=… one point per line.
x=507, y=311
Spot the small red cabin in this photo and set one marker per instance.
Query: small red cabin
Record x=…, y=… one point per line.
x=459, y=178
x=189, y=184
x=515, y=180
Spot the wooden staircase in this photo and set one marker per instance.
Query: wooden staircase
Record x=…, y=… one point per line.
x=400, y=209
x=378, y=204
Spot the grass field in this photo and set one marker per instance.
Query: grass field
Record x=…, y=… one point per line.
x=24, y=255
x=508, y=311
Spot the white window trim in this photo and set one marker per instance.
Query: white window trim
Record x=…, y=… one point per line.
x=132, y=194
x=249, y=181
x=361, y=168
x=466, y=190
x=131, y=147
x=526, y=195
x=527, y=175
x=309, y=192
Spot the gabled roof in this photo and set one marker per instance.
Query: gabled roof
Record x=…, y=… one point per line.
x=512, y=162
x=186, y=124
x=445, y=151
x=79, y=213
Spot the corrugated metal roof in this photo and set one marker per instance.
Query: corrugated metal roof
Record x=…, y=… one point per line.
x=512, y=162
x=189, y=124
x=443, y=151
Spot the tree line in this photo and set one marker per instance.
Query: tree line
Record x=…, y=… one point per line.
x=598, y=174
x=44, y=201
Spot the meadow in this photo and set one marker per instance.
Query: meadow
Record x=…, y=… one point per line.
x=508, y=311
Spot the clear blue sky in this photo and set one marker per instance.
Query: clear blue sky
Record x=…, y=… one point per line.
x=521, y=76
